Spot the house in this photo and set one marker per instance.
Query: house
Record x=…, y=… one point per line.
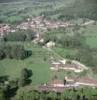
x=86, y=81
x=50, y=44
x=4, y=29
x=49, y=88
x=56, y=83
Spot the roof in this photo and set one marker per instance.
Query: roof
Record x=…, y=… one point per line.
x=83, y=80
x=50, y=88
x=56, y=81
x=74, y=64
x=86, y=80
x=68, y=79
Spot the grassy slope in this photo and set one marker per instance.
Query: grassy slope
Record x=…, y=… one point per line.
x=35, y=63
x=40, y=68
x=25, y=8
x=91, y=35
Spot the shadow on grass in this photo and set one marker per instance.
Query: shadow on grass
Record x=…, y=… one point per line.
x=4, y=78
x=28, y=53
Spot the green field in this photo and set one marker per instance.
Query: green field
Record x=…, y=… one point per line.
x=64, y=51
x=91, y=35
x=39, y=66
x=36, y=63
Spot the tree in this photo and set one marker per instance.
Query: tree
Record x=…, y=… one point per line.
x=18, y=52
x=2, y=95
x=20, y=35
x=17, y=36
x=7, y=51
x=2, y=47
x=14, y=51
x=1, y=53
x=24, y=78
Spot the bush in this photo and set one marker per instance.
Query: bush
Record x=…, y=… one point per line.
x=20, y=36
x=14, y=51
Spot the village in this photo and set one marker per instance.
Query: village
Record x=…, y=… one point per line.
x=48, y=49
x=35, y=24
x=41, y=25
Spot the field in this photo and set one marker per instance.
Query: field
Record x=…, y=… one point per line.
x=38, y=63
x=91, y=35
x=64, y=52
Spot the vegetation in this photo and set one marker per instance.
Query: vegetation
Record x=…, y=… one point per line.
x=12, y=51
x=24, y=79
x=61, y=37
x=72, y=94
x=20, y=36
x=25, y=65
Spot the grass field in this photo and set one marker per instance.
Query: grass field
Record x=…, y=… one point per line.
x=91, y=35
x=63, y=51
x=38, y=62
x=39, y=66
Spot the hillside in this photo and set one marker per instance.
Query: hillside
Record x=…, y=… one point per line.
x=86, y=8
x=77, y=8
x=5, y=1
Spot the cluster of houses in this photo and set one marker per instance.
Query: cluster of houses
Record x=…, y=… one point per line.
x=38, y=24
x=4, y=28
x=41, y=23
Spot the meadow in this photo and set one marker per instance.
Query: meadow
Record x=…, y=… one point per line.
x=91, y=35
x=38, y=62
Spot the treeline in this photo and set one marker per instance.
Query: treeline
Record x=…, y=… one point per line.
x=64, y=39
x=79, y=9
x=86, y=55
x=60, y=37
x=68, y=94
x=6, y=1
x=20, y=36
x=13, y=51
x=8, y=87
